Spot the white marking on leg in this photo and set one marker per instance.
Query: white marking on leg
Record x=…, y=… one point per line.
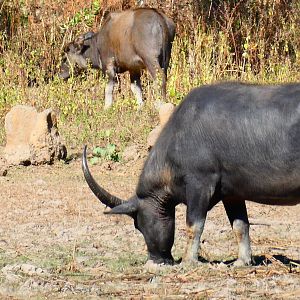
x=137, y=91
x=193, y=243
x=241, y=230
x=109, y=89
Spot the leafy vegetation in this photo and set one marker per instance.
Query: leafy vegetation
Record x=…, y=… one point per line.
x=108, y=153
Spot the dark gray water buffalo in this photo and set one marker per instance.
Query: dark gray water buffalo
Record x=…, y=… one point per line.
x=226, y=142
x=131, y=41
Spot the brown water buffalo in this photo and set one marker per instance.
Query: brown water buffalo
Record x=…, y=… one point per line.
x=226, y=142
x=131, y=40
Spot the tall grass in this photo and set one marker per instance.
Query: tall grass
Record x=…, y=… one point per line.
x=253, y=40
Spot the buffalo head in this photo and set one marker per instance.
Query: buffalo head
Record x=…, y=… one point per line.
x=156, y=223
x=75, y=56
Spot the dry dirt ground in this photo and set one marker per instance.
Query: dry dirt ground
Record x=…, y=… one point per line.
x=56, y=243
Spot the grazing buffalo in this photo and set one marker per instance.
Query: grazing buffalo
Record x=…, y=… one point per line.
x=131, y=40
x=226, y=142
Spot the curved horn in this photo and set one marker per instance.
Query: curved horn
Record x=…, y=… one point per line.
x=104, y=196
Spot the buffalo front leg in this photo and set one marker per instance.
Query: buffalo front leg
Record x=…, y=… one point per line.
x=109, y=89
x=136, y=87
x=198, y=198
x=237, y=214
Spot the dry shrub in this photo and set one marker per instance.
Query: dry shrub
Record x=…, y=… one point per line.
x=256, y=31
x=117, y=4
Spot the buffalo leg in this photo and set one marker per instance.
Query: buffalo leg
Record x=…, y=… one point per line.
x=136, y=87
x=164, y=84
x=109, y=89
x=153, y=68
x=237, y=214
x=198, y=198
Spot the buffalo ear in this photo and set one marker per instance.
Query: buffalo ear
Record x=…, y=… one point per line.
x=127, y=208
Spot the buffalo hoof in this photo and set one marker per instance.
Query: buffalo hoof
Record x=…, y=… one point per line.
x=239, y=263
x=152, y=266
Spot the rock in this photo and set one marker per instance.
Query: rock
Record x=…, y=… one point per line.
x=28, y=269
x=13, y=279
x=25, y=268
x=131, y=153
x=165, y=112
x=152, y=137
x=32, y=137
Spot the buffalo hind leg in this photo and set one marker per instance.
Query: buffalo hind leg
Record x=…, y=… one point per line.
x=154, y=68
x=237, y=214
x=136, y=87
x=198, y=196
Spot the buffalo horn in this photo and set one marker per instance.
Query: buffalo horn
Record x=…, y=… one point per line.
x=128, y=208
x=105, y=197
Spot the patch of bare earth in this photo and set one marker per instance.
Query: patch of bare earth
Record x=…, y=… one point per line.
x=55, y=242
